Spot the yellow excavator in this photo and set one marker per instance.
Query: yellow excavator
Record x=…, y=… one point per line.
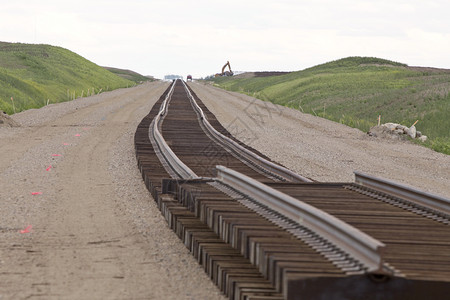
x=225, y=73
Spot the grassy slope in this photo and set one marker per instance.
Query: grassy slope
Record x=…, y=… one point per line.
x=130, y=75
x=355, y=90
x=32, y=74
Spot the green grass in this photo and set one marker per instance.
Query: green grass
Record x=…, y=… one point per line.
x=35, y=74
x=355, y=90
x=129, y=75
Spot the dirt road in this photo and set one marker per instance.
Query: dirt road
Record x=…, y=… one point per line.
x=76, y=221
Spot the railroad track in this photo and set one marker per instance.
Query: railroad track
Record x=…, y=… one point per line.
x=263, y=232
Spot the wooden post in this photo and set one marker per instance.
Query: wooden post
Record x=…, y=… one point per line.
x=14, y=107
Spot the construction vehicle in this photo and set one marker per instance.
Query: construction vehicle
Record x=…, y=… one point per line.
x=225, y=73
x=189, y=78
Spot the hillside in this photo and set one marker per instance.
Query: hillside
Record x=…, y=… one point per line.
x=36, y=74
x=129, y=75
x=355, y=90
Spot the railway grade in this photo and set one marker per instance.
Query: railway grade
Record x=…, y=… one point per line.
x=263, y=232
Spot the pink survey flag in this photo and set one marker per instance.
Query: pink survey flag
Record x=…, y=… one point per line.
x=26, y=230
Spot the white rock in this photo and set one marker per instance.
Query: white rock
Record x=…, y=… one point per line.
x=391, y=126
x=411, y=131
x=401, y=127
x=422, y=138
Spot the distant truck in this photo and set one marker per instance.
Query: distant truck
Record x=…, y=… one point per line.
x=189, y=78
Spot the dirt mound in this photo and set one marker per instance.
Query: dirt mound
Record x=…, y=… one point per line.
x=7, y=121
x=270, y=73
x=397, y=132
x=384, y=132
x=245, y=75
x=260, y=74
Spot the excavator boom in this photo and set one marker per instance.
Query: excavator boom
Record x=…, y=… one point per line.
x=225, y=73
x=227, y=64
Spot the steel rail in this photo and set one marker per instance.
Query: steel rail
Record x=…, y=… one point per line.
x=180, y=168
x=233, y=146
x=428, y=200
x=360, y=246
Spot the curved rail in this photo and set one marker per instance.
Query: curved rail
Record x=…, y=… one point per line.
x=234, y=147
x=173, y=162
x=362, y=247
x=348, y=249
x=433, y=202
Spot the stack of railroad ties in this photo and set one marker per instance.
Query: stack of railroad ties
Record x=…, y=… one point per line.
x=275, y=236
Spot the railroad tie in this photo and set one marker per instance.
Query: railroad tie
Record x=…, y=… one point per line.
x=235, y=276
x=249, y=250
x=272, y=250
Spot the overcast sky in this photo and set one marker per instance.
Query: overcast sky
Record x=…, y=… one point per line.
x=159, y=37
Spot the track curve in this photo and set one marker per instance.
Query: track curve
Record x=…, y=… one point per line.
x=238, y=222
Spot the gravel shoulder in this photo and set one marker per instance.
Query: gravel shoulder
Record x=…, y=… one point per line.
x=321, y=149
x=96, y=232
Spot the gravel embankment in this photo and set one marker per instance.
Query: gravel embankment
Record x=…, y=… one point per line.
x=321, y=149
